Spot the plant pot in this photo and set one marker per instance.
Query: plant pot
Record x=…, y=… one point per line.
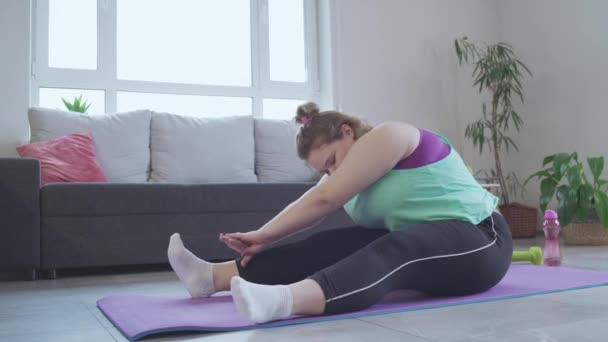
x=585, y=234
x=521, y=218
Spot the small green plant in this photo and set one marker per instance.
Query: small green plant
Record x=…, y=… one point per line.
x=78, y=105
x=579, y=198
x=497, y=71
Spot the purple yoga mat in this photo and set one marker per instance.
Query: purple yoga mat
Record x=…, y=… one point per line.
x=137, y=316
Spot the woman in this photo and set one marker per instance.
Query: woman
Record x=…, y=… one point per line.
x=424, y=224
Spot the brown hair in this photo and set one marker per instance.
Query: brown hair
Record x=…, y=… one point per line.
x=320, y=128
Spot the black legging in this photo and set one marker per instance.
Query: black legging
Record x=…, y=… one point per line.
x=356, y=266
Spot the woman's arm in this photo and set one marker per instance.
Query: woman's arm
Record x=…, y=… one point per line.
x=304, y=212
x=370, y=158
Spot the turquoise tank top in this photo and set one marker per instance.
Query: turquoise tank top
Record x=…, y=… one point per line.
x=442, y=190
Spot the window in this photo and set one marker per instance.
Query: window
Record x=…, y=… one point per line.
x=192, y=57
x=276, y=108
x=197, y=42
x=286, y=33
x=195, y=105
x=73, y=42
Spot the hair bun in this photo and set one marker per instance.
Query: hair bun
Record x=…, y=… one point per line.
x=308, y=109
x=306, y=112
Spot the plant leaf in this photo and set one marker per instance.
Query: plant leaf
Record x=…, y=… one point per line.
x=602, y=182
x=566, y=203
x=525, y=67
x=585, y=197
x=548, y=159
x=597, y=166
x=458, y=51
x=67, y=104
x=512, y=143
x=574, y=175
x=574, y=156
x=547, y=189
x=560, y=164
x=542, y=173
x=601, y=207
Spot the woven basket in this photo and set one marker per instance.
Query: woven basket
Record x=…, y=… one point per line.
x=585, y=234
x=521, y=218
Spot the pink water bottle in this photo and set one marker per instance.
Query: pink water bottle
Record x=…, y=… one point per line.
x=552, y=255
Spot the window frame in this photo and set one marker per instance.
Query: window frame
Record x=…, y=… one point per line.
x=105, y=78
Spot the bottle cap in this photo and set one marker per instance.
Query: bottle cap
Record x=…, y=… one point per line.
x=550, y=215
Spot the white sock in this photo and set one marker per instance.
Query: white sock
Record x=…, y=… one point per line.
x=195, y=274
x=261, y=303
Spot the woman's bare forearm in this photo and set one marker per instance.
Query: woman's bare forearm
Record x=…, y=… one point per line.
x=303, y=213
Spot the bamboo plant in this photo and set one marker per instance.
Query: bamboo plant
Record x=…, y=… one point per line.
x=499, y=72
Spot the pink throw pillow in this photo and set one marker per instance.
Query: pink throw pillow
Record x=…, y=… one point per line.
x=70, y=158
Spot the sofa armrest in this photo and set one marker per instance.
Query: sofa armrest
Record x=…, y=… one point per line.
x=19, y=214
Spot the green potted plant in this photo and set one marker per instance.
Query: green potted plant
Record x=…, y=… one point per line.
x=582, y=202
x=498, y=72
x=78, y=105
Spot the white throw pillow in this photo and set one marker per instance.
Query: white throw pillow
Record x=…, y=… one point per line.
x=196, y=150
x=276, y=157
x=122, y=140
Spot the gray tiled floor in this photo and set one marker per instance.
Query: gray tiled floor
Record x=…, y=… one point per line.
x=64, y=310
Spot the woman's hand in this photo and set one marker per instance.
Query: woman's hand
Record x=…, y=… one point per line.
x=247, y=244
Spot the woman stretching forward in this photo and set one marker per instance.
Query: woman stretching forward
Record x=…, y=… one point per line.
x=423, y=223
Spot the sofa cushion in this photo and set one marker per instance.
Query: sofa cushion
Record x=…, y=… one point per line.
x=122, y=140
x=276, y=158
x=92, y=199
x=198, y=150
x=70, y=158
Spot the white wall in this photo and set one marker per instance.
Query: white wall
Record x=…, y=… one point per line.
x=14, y=74
x=395, y=60
x=565, y=43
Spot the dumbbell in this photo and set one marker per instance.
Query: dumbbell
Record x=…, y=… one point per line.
x=534, y=255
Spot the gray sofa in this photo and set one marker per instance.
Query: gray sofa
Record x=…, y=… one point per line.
x=66, y=225
x=75, y=225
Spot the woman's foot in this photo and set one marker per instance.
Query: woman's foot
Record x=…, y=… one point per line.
x=261, y=303
x=195, y=274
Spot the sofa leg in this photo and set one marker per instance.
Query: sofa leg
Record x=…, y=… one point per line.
x=29, y=274
x=52, y=273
